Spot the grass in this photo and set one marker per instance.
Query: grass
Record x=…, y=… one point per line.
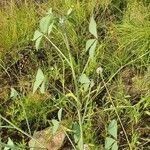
x=119, y=70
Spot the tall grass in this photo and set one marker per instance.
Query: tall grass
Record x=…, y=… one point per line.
x=17, y=26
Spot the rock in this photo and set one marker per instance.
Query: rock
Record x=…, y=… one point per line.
x=45, y=139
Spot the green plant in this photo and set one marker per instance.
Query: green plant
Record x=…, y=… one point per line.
x=45, y=28
x=111, y=142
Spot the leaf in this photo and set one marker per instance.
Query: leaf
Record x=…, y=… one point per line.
x=10, y=145
x=59, y=114
x=89, y=43
x=44, y=23
x=91, y=46
x=37, y=38
x=84, y=79
x=76, y=129
x=92, y=27
x=108, y=143
x=92, y=49
x=69, y=11
x=13, y=93
x=86, y=86
x=55, y=126
x=50, y=28
x=37, y=42
x=38, y=81
x=80, y=144
x=112, y=128
x=114, y=146
x=42, y=88
x=37, y=34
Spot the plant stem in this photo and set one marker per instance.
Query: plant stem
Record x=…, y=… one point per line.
x=116, y=112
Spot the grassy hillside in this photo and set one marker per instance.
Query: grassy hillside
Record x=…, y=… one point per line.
x=78, y=66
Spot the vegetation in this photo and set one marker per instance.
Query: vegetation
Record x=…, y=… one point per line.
x=76, y=65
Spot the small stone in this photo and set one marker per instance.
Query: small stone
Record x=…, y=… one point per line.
x=45, y=139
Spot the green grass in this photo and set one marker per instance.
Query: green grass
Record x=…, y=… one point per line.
x=16, y=27
x=121, y=87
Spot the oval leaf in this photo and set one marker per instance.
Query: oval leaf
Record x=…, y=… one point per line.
x=44, y=23
x=39, y=79
x=37, y=43
x=42, y=88
x=84, y=79
x=89, y=43
x=108, y=143
x=37, y=34
x=92, y=49
x=92, y=27
x=91, y=46
x=112, y=128
x=55, y=126
x=10, y=145
x=76, y=129
x=114, y=146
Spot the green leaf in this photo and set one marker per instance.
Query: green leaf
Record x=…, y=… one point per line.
x=44, y=23
x=42, y=88
x=91, y=46
x=10, y=145
x=89, y=43
x=92, y=50
x=108, y=143
x=37, y=34
x=37, y=38
x=37, y=42
x=80, y=144
x=112, y=128
x=13, y=93
x=60, y=114
x=86, y=86
x=84, y=79
x=92, y=27
x=55, y=126
x=38, y=81
x=76, y=129
x=50, y=28
x=114, y=146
